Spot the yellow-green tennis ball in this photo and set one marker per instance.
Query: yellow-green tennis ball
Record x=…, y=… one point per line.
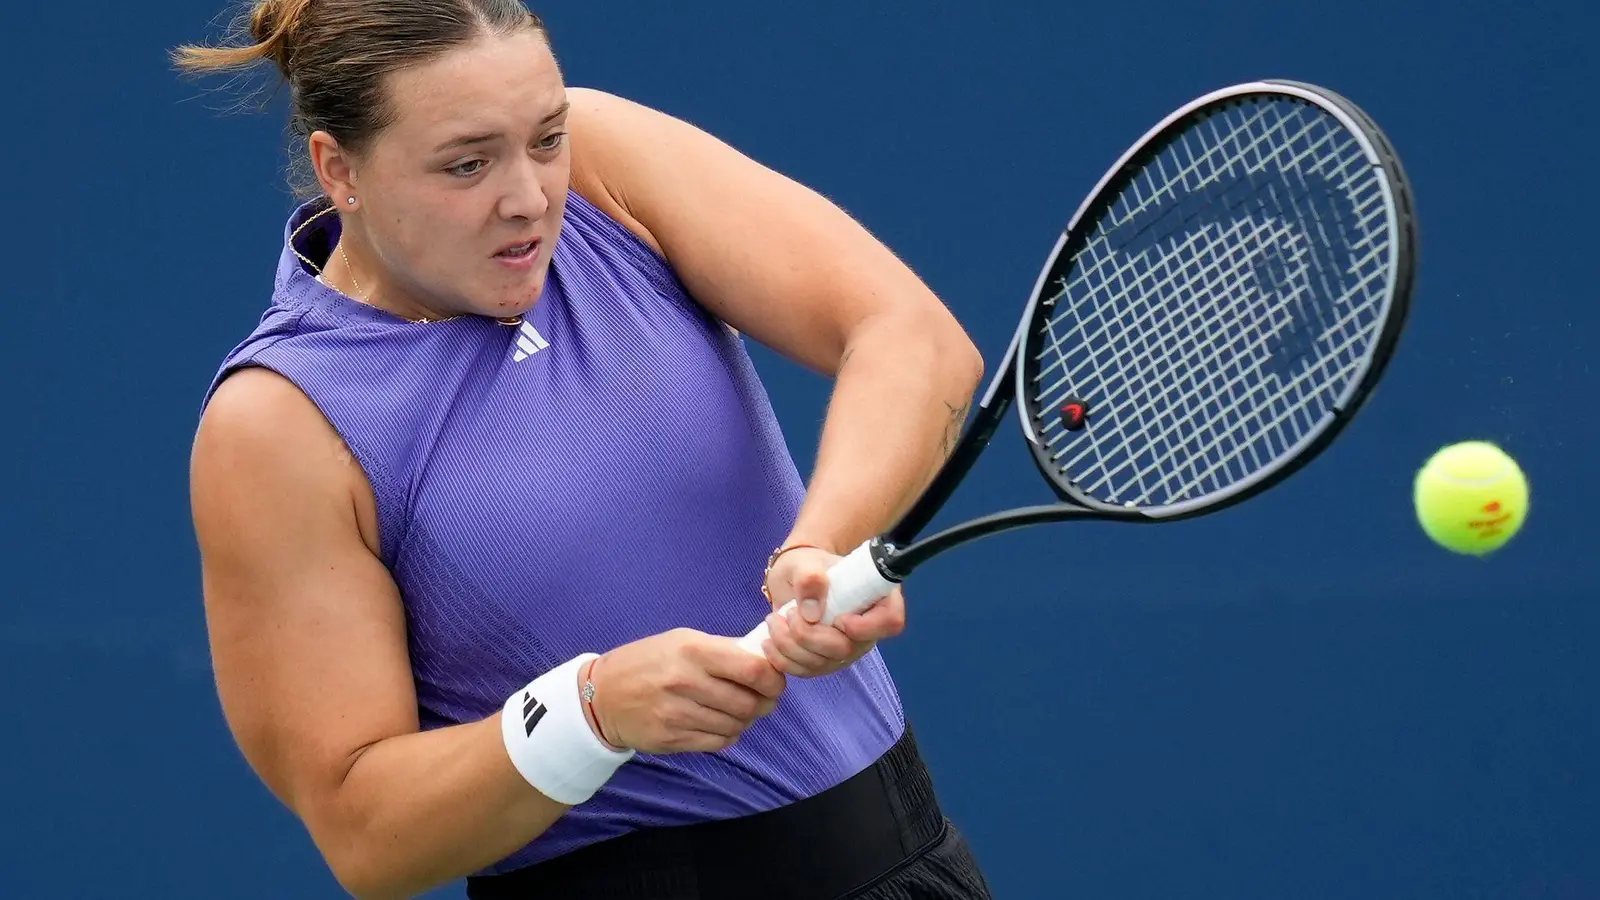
x=1471, y=498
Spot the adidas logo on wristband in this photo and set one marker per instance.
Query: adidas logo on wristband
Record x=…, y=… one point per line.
x=549, y=740
x=532, y=712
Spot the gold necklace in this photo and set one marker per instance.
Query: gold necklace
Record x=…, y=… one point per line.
x=352, y=270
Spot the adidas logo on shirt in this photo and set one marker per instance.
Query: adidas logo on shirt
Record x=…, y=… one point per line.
x=529, y=342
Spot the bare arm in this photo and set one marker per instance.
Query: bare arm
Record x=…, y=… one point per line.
x=784, y=265
x=309, y=647
x=308, y=642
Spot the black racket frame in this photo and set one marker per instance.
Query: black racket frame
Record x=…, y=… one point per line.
x=897, y=552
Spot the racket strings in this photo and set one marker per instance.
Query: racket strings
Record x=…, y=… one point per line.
x=1292, y=401
x=1174, y=327
x=1144, y=382
x=1158, y=448
x=1216, y=279
x=1110, y=269
x=1166, y=444
x=1218, y=309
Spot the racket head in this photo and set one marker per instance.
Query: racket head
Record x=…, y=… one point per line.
x=1220, y=306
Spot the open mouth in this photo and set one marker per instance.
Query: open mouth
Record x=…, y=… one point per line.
x=519, y=252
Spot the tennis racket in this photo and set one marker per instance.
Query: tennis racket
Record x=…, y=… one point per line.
x=1217, y=311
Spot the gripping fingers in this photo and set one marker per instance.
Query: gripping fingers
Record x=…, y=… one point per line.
x=746, y=668
x=785, y=653
x=737, y=703
x=711, y=721
x=808, y=648
x=692, y=741
x=884, y=619
x=690, y=727
x=825, y=641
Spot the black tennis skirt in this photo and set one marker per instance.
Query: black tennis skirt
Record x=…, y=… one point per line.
x=878, y=836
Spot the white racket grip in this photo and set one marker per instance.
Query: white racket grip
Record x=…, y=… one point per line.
x=854, y=583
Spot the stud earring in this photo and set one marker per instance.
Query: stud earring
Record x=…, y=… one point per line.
x=350, y=201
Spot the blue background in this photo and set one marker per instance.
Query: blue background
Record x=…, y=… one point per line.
x=1298, y=698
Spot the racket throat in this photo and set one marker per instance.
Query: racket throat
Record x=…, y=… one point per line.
x=901, y=562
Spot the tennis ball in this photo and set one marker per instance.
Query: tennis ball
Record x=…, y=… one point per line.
x=1471, y=498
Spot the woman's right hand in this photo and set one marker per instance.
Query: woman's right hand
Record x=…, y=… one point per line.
x=681, y=691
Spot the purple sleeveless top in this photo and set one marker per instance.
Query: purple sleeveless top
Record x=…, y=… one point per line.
x=609, y=470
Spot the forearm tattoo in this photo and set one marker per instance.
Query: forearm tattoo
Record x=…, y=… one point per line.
x=952, y=428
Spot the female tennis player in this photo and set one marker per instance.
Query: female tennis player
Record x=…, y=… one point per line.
x=486, y=496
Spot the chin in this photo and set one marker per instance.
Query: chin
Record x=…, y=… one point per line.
x=515, y=301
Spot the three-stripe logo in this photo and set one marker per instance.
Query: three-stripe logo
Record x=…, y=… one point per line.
x=529, y=341
x=532, y=712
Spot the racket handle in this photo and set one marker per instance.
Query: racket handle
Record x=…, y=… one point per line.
x=854, y=583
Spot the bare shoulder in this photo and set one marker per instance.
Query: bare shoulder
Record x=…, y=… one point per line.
x=771, y=257
x=258, y=409
x=262, y=443
x=602, y=127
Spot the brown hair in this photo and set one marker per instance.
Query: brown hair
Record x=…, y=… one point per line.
x=335, y=55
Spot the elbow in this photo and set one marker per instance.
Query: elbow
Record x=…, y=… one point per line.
x=922, y=338
x=370, y=865
x=956, y=356
x=365, y=881
x=356, y=875
x=361, y=891
x=358, y=864
x=967, y=363
x=945, y=348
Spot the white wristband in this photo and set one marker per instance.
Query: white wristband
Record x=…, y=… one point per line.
x=549, y=738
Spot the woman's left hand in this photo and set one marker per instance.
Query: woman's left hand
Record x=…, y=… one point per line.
x=802, y=646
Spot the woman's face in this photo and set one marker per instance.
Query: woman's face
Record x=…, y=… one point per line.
x=461, y=196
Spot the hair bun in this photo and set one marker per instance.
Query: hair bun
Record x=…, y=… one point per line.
x=273, y=24
x=264, y=21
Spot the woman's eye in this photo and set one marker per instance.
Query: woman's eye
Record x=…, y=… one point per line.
x=467, y=168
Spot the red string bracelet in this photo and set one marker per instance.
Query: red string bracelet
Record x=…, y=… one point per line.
x=588, y=704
